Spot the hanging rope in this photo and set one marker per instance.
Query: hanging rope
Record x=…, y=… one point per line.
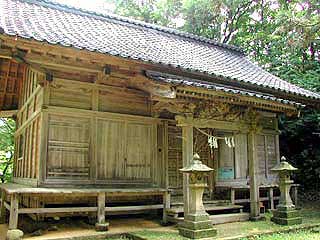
x=213, y=140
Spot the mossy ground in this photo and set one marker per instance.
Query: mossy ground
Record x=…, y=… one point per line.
x=310, y=216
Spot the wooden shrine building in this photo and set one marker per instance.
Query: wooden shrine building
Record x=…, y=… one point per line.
x=108, y=109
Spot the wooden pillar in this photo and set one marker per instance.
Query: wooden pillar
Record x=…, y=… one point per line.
x=295, y=194
x=187, y=155
x=233, y=195
x=271, y=198
x=166, y=205
x=101, y=208
x=101, y=224
x=3, y=208
x=254, y=187
x=14, y=206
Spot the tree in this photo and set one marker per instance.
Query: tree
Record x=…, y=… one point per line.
x=7, y=128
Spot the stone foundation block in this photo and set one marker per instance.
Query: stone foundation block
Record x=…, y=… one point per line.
x=196, y=225
x=197, y=234
x=286, y=214
x=101, y=227
x=14, y=234
x=287, y=221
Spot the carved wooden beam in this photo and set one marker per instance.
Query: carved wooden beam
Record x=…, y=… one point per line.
x=147, y=85
x=8, y=113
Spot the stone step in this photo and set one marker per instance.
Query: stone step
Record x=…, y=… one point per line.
x=208, y=207
x=228, y=218
x=219, y=218
x=212, y=202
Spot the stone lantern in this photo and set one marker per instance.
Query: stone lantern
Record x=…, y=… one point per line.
x=196, y=222
x=285, y=214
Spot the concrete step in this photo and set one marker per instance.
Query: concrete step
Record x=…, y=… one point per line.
x=213, y=202
x=219, y=218
x=208, y=207
x=230, y=217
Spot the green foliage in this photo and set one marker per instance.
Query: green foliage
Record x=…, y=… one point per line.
x=300, y=141
x=7, y=128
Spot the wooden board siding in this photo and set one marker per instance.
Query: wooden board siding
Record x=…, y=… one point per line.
x=122, y=100
x=125, y=150
x=11, y=77
x=29, y=124
x=98, y=97
x=110, y=149
x=68, y=147
x=271, y=152
x=261, y=156
x=267, y=157
x=140, y=150
x=174, y=155
x=70, y=95
x=241, y=156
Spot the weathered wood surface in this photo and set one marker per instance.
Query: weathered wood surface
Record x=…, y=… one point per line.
x=11, y=75
x=12, y=188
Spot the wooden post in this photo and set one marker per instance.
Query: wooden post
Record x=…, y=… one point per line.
x=14, y=206
x=232, y=195
x=101, y=224
x=166, y=205
x=271, y=198
x=101, y=207
x=295, y=194
x=187, y=155
x=3, y=208
x=254, y=188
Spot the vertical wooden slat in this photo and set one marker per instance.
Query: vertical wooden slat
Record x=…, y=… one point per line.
x=43, y=146
x=165, y=151
x=6, y=82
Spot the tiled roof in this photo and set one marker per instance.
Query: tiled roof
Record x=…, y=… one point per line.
x=110, y=34
x=188, y=82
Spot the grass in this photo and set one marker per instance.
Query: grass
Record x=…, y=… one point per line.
x=302, y=235
x=310, y=216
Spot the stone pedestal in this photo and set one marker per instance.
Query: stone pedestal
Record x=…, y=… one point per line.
x=101, y=227
x=285, y=214
x=197, y=226
x=196, y=222
x=14, y=234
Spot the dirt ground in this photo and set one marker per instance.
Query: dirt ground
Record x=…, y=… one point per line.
x=78, y=228
x=148, y=224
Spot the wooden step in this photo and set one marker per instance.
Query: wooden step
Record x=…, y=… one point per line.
x=230, y=217
x=208, y=207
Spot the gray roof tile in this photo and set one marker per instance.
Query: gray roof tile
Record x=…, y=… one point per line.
x=58, y=24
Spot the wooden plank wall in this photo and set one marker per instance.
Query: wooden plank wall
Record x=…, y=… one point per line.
x=11, y=76
x=267, y=157
x=241, y=156
x=126, y=150
x=90, y=142
x=175, y=154
x=68, y=147
x=28, y=125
